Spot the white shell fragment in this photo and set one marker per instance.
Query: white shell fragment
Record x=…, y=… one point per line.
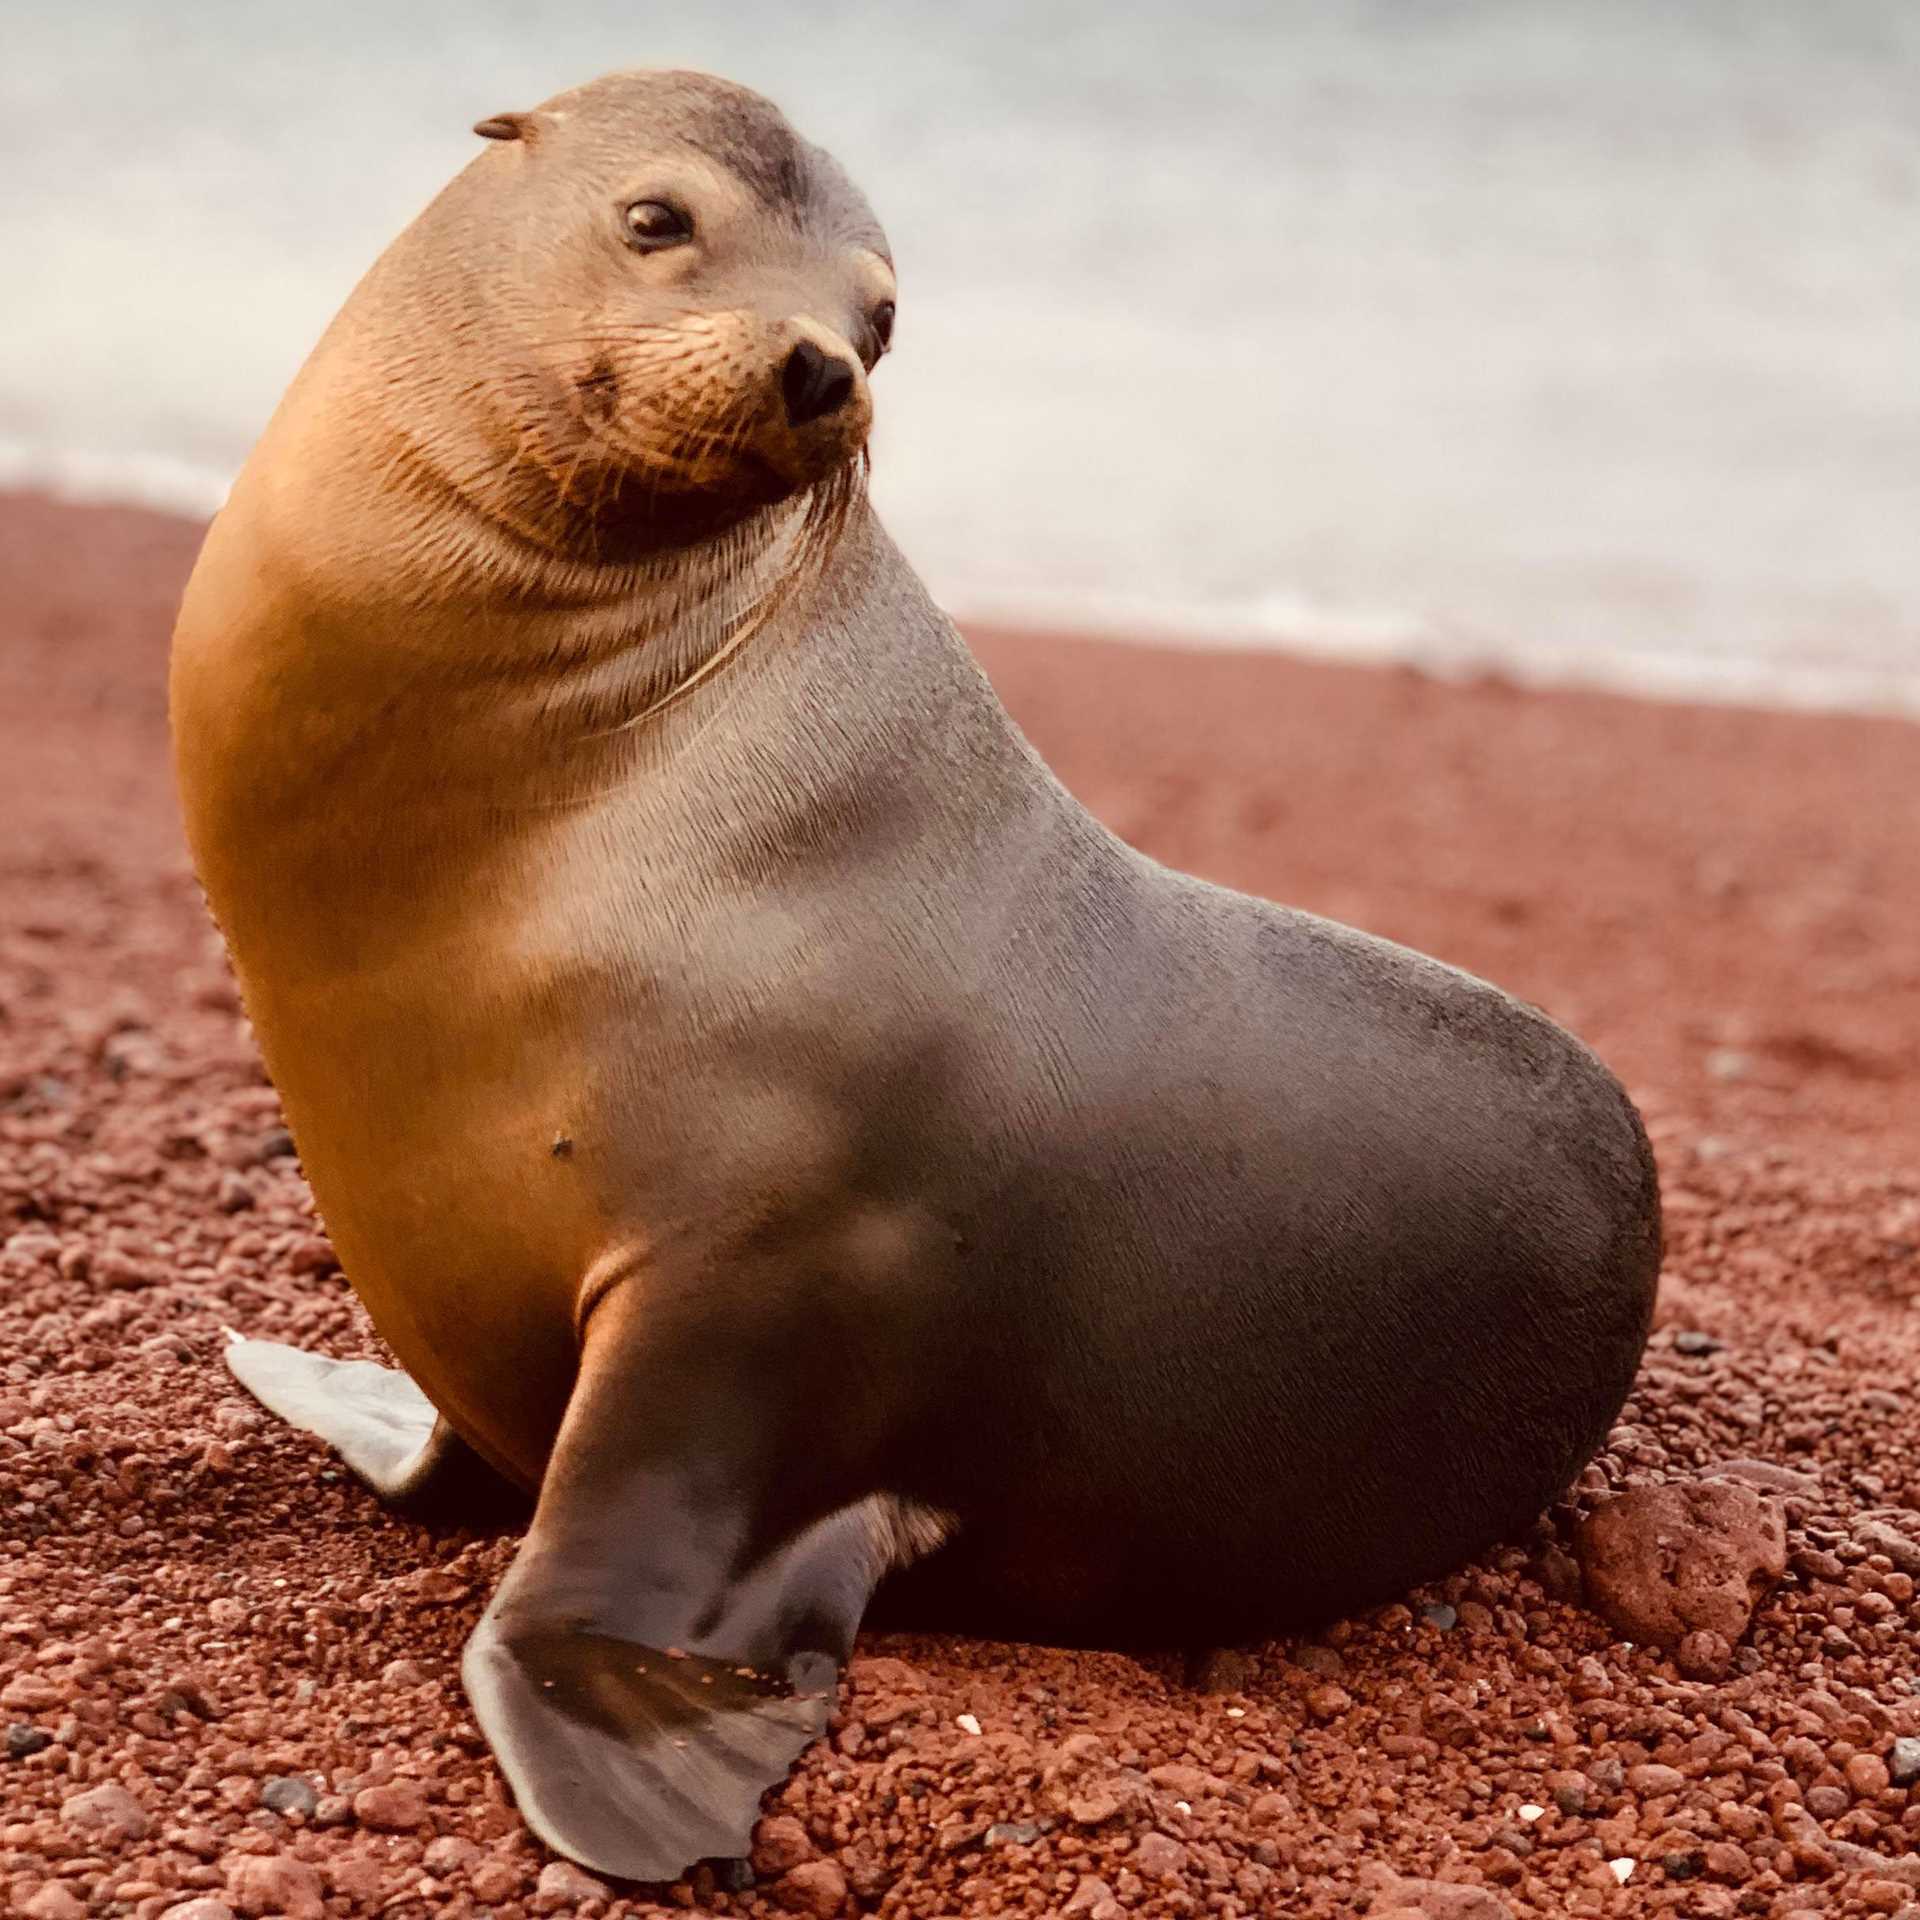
x=966, y=1723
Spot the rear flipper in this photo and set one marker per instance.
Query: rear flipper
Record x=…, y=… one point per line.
x=383, y=1427
x=647, y=1671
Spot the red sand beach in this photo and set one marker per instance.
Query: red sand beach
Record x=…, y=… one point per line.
x=228, y=1678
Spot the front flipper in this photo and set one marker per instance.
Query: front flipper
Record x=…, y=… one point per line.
x=636, y=1759
x=646, y=1671
x=381, y=1425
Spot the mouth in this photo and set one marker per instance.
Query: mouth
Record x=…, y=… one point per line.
x=771, y=477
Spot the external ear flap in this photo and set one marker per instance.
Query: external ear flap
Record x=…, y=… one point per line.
x=506, y=126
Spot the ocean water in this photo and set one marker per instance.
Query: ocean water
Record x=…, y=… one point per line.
x=1580, y=337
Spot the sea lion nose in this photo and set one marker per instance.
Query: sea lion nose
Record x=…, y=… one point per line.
x=814, y=383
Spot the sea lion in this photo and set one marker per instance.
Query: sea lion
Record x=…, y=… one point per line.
x=766, y=1116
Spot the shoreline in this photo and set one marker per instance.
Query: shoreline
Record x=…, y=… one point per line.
x=197, y=1607
x=1273, y=623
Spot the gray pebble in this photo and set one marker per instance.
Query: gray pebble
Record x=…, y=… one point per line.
x=1440, y=1615
x=288, y=1793
x=25, y=1740
x=1695, y=1344
x=1012, y=1833
x=1903, y=1762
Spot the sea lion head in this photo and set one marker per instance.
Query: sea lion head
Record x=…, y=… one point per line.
x=664, y=305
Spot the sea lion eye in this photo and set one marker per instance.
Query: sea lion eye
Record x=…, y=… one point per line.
x=653, y=224
x=882, y=324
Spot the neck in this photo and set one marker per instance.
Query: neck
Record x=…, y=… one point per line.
x=518, y=683
x=658, y=631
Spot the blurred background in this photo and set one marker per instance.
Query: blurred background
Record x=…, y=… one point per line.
x=1580, y=337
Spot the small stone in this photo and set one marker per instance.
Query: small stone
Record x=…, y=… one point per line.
x=1650, y=1782
x=1089, y=1809
x=274, y=1883
x=1090, y=1892
x=1444, y=1900
x=1591, y=1680
x=1725, y=1861
x=565, y=1888
x=1769, y=1476
x=1439, y=1614
x=54, y=1902
x=1884, y=1896
x=450, y=1854
x=29, y=1693
x=24, y=1741
x=818, y=1888
x=780, y=1843
x=493, y=1881
x=395, y=1808
x=882, y=1673
x=1903, y=1762
x=334, y=1810
x=1665, y=1561
x=360, y=1878
x=1811, y=1564
x=1704, y=1655
x=1220, y=1670
x=1328, y=1702
x=205, y=1907
x=1328, y=1662
x=106, y=1815
x=1159, y=1857
x=1185, y=1783
x=310, y=1254
x=288, y=1793
x=1868, y=1775
x=1558, y=1573
x=1570, y=1793
x=1828, y=1803
x=1012, y=1833
x=437, y=1587
x=1695, y=1345
x=1877, y=1536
